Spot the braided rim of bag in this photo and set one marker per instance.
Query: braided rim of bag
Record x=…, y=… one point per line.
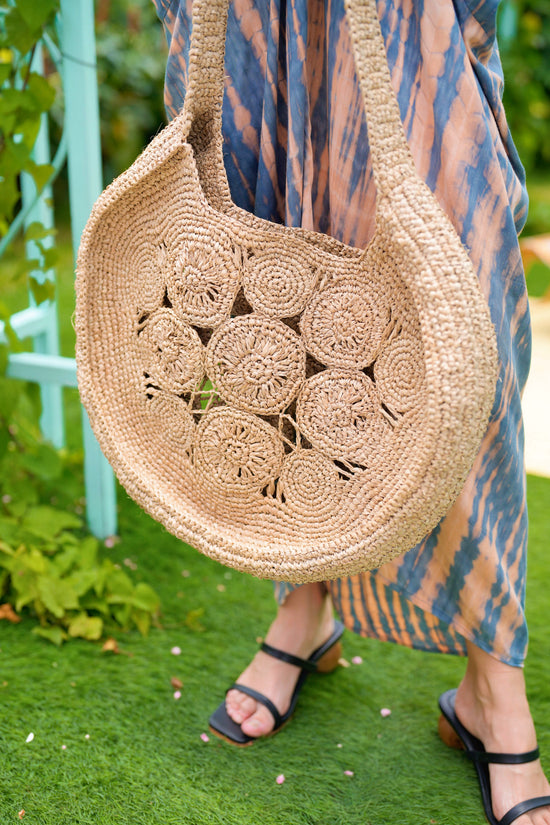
x=293, y=407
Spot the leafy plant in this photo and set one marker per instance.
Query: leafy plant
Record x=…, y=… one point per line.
x=24, y=97
x=49, y=567
x=62, y=581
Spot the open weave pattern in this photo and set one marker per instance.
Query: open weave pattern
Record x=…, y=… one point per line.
x=292, y=407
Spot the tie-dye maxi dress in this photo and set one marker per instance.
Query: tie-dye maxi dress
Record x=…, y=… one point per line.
x=296, y=151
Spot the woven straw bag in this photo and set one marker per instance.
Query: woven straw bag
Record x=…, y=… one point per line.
x=292, y=407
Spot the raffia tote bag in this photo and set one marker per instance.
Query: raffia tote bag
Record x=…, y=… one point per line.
x=290, y=406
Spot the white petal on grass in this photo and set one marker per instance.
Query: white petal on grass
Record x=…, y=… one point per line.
x=30, y=737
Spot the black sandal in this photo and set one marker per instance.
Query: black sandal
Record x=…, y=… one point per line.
x=454, y=734
x=223, y=726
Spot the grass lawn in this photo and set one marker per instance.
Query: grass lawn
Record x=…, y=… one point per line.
x=144, y=761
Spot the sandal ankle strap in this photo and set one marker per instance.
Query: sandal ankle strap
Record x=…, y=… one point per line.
x=503, y=758
x=304, y=664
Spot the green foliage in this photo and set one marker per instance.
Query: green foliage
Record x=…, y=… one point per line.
x=526, y=60
x=24, y=97
x=62, y=581
x=49, y=567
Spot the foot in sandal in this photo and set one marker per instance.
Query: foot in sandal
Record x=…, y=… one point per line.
x=491, y=711
x=304, y=629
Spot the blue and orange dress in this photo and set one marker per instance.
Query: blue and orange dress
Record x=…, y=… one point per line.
x=296, y=151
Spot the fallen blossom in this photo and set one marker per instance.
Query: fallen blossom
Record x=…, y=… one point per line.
x=348, y=773
x=110, y=646
x=343, y=662
x=21, y=814
x=177, y=694
x=87, y=736
x=175, y=651
x=185, y=574
x=6, y=499
x=176, y=683
x=357, y=660
x=30, y=737
x=339, y=745
x=280, y=779
x=110, y=541
x=220, y=588
x=205, y=737
x=63, y=747
x=385, y=712
x=131, y=564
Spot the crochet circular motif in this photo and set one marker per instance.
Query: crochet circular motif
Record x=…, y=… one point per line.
x=172, y=353
x=277, y=283
x=237, y=449
x=203, y=281
x=308, y=479
x=257, y=364
x=174, y=416
x=339, y=412
x=399, y=372
x=343, y=325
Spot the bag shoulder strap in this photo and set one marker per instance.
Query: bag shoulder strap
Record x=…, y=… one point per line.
x=201, y=117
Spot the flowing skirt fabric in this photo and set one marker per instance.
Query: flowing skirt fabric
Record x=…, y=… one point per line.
x=296, y=151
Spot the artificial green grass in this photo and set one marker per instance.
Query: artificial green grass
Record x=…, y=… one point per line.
x=144, y=761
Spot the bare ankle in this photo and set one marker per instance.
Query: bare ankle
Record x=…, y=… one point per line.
x=491, y=701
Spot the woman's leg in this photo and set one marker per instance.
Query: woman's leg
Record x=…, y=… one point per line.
x=303, y=622
x=492, y=704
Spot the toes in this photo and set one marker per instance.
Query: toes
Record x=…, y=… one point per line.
x=540, y=816
x=239, y=706
x=260, y=723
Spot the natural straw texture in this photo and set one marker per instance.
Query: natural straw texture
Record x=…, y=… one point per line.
x=293, y=407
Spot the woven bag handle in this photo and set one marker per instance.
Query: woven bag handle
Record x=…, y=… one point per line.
x=391, y=157
x=204, y=96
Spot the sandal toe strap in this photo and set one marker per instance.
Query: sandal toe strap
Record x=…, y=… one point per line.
x=523, y=808
x=263, y=700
